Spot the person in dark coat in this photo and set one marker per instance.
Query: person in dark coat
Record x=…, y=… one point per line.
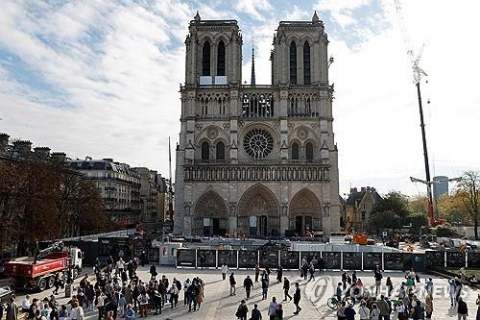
x=12, y=310
x=242, y=311
x=286, y=288
x=279, y=274
x=296, y=298
x=248, y=285
x=153, y=272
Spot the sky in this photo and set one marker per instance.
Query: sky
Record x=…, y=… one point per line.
x=101, y=79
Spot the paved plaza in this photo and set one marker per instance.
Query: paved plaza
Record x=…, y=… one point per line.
x=220, y=305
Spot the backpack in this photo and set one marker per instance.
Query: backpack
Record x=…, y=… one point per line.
x=143, y=299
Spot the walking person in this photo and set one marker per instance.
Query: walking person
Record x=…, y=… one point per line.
x=279, y=274
x=257, y=271
x=429, y=306
x=242, y=311
x=378, y=280
x=173, y=291
x=296, y=298
x=389, y=285
x=312, y=271
x=384, y=308
x=256, y=314
x=143, y=299
x=153, y=272
x=478, y=307
x=462, y=309
x=286, y=288
x=248, y=285
x=452, y=291
x=272, y=309
x=232, y=284
x=224, y=271
x=186, y=285
x=12, y=310
x=265, y=285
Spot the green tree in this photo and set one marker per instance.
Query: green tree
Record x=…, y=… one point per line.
x=417, y=220
x=389, y=213
x=468, y=196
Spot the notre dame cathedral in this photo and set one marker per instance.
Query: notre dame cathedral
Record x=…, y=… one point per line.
x=256, y=160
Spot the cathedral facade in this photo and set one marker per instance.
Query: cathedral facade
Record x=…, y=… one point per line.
x=256, y=160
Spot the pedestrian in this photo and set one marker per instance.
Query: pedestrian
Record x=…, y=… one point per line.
x=286, y=288
x=279, y=274
x=153, y=272
x=200, y=295
x=279, y=312
x=100, y=303
x=202, y=260
x=429, y=285
x=341, y=311
x=344, y=279
x=478, y=307
x=321, y=265
x=120, y=266
x=463, y=275
x=257, y=271
x=26, y=304
x=173, y=291
x=12, y=310
x=110, y=315
x=129, y=314
x=462, y=309
x=242, y=311
x=248, y=285
x=143, y=299
x=256, y=314
x=363, y=311
x=272, y=309
x=389, y=285
x=312, y=271
x=374, y=313
x=186, y=285
x=429, y=306
x=232, y=284
x=384, y=308
x=350, y=313
x=296, y=298
x=339, y=291
x=224, y=271
x=122, y=304
x=265, y=285
x=378, y=280
x=143, y=260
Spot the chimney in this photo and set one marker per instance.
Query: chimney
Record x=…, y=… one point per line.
x=59, y=156
x=3, y=141
x=42, y=152
x=22, y=146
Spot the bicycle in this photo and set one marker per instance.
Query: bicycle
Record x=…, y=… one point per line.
x=333, y=301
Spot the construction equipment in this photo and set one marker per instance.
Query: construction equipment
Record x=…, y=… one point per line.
x=418, y=74
x=39, y=272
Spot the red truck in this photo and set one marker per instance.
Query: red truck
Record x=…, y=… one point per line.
x=39, y=272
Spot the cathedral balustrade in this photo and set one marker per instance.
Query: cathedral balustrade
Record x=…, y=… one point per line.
x=257, y=173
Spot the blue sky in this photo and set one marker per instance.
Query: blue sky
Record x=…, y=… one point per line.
x=101, y=78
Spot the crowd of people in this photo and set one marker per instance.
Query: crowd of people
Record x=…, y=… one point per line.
x=117, y=291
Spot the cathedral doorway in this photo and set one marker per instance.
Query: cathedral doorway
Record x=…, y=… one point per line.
x=211, y=216
x=258, y=213
x=305, y=213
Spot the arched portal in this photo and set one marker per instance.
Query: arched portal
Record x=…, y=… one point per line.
x=211, y=215
x=258, y=212
x=305, y=213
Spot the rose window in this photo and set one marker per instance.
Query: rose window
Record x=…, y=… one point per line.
x=258, y=143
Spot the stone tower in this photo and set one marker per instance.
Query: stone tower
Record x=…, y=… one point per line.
x=256, y=160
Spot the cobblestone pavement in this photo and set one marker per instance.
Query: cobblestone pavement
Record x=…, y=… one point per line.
x=220, y=305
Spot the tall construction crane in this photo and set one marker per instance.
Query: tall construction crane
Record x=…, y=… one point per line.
x=418, y=74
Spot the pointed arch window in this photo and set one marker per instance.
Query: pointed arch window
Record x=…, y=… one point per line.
x=306, y=63
x=295, y=151
x=220, y=151
x=205, y=151
x=206, y=59
x=293, y=63
x=309, y=152
x=221, y=59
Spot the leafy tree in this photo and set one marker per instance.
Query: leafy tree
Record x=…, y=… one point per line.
x=389, y=213
x=468, y=196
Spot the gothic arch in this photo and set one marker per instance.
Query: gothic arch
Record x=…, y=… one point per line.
x=305, y=212
x=259, y=204
x=304, y=133
x=210, y=206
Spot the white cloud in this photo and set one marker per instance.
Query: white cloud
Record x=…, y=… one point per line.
x=257, y=9
x=341, y=11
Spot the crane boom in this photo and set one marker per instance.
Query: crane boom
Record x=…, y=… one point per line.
x=418, y=74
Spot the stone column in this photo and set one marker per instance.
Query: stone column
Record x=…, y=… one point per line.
x=187, y=220
x=233, y=219
x=284, y=218
x=326, y=219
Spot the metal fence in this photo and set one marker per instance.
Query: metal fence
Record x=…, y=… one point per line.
x=247, y=259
